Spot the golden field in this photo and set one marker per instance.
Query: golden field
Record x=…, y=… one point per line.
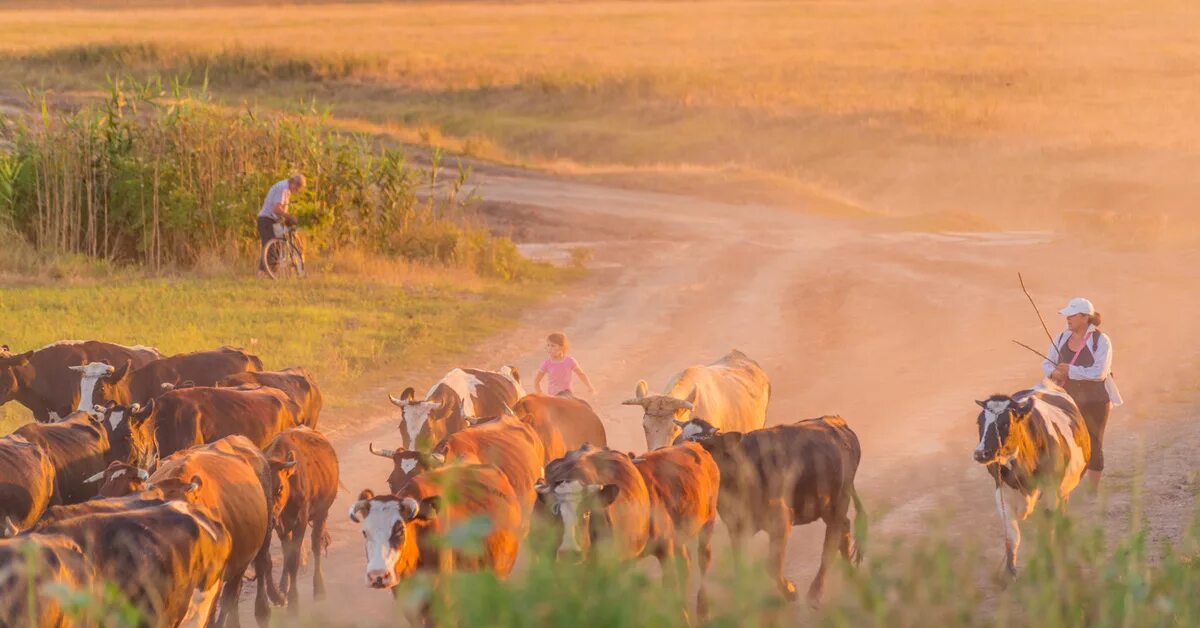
x=1007, y=109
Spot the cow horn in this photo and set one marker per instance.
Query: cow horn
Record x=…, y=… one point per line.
x=194, y=485
x=541, y=486
x=382, y=453
x=167, y=386
x=80, y=368
x=95, y=478
x=142, y=474
x=135, y=408
x=680, y=424
x=395, y=401
x=508, y=411
x=438, y=459
x=99, y=409
x=686, y=404
x=632, y=402
x=9, y=529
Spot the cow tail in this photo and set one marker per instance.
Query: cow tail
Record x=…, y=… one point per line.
x=861, y=525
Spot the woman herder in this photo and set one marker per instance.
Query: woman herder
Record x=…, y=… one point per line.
x=1083, y=366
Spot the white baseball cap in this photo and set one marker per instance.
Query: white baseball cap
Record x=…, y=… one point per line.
x=1078, y=305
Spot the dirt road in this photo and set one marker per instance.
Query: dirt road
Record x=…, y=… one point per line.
x=896, y=331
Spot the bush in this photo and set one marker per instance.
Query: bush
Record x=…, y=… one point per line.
x=168, y=181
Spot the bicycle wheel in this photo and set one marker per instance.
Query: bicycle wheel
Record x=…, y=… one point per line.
x=297, y=260
x=277, y=258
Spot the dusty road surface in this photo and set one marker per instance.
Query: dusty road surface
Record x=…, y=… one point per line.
x=897, y=331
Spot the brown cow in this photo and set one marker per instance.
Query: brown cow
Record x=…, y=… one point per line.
x=27, y=483
x=193, y=416
x=683, y=482
x=574, y=420
x=506, y=443
x=783, y=476
x=306, y=482
x=29, y=566
x=158, y=556
x=42, y=380
x=78, y=447
x=119, y=478
x=401, y=531
x=127, y=384
x=603, y=490
x=297, y=382
x=460, y=394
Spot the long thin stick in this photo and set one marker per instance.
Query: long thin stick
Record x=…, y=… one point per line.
x=1035, y=308
x=1033, y=350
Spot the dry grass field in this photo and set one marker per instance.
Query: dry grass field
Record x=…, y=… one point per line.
x=1008, y=110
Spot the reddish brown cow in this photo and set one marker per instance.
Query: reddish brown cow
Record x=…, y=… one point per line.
x=31, y=566
x=401, y=531
x=119, y=478
x=506, y=443
x=783, y=476
x=193, y=416
x=158, y=556
x=297, y=382
x=78, y=447
x=600, y=490
x=128, y=384
x=306, y=482
x=42, y=380
x=574, y=420
x=683, y=483
x=27, y=483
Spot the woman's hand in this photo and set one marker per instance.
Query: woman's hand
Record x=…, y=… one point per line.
x=1060, y=374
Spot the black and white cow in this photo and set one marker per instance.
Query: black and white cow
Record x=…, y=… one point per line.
x=1032, y=440
x=460, y=394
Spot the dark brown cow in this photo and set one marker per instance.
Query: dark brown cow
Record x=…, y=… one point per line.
x=297, y=382
x=29, y=566
x=78, y=448
x=27, y=483
x=128, y=384
x=193, y=416
x=158, y=556
x=683, y=482
x=306, y=482
x=401, y=531
x=783, y=476
x=460, y=394
x=602, y=490
x=43, y=381
x=506, y=443
x=574, y=420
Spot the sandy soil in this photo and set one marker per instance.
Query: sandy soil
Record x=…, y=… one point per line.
x=898, y=331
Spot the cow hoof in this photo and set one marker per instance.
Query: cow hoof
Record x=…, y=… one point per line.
x=788, y=588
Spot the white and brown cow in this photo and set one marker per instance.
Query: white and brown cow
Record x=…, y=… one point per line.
x=731, y=394
x=43, y=380
x=1030, y=440
x=460, y=394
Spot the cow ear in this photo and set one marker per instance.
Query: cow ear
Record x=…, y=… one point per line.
x=732, y=439
x=605, y=494
x=8, y=529
x=366, y=494
x=429, y=508
x=360, y=508
x=692, y=398
x=642, y=389
x=408, y=395
x=121, y=372
x=196, y=484
x=409, y=508
x=1023, y=409
x=541, y=487
x=434, y=461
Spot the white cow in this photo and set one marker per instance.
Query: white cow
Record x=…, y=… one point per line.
x=731, y=394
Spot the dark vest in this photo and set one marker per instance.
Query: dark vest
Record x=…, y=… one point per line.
x=1083, y=391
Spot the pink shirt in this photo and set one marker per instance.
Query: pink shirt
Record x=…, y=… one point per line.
x=558, y=374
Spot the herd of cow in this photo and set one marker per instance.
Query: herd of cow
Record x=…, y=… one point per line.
x=166, y=476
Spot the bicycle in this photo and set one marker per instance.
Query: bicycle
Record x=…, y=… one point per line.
x=282, y=256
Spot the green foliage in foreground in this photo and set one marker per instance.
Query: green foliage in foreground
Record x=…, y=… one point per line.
x=1072, y=574
x=340, y=328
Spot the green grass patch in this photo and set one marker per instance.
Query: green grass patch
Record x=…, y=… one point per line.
x=346, y=330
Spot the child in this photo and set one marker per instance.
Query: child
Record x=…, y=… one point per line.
x=559, y=368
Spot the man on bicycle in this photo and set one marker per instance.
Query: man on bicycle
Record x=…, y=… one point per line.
x=274, y=210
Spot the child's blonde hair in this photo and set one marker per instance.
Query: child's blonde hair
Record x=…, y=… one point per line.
x=560, y=339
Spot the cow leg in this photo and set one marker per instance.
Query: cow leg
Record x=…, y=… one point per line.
x=229, y=615
x=320, y=540
x=704, y=551
x=779, y=526
x=264, y=583
x=836, y=531
x=1012, y=530
x=291, y=561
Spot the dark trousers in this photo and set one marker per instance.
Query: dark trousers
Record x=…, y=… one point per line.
x=266, y=233
x=1095, y=416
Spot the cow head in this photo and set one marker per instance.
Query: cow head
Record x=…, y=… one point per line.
x=11, y=378
x=661, y=413
x=568, y=504
x=119, y=479
x=114, y=385
x=407, y=464
x=180, y=488
x=390, y=526
x=424, y=423
x=694, y=431
x=1000, y=418
x=282, y=472
x=90, y=374
x=132, y=439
